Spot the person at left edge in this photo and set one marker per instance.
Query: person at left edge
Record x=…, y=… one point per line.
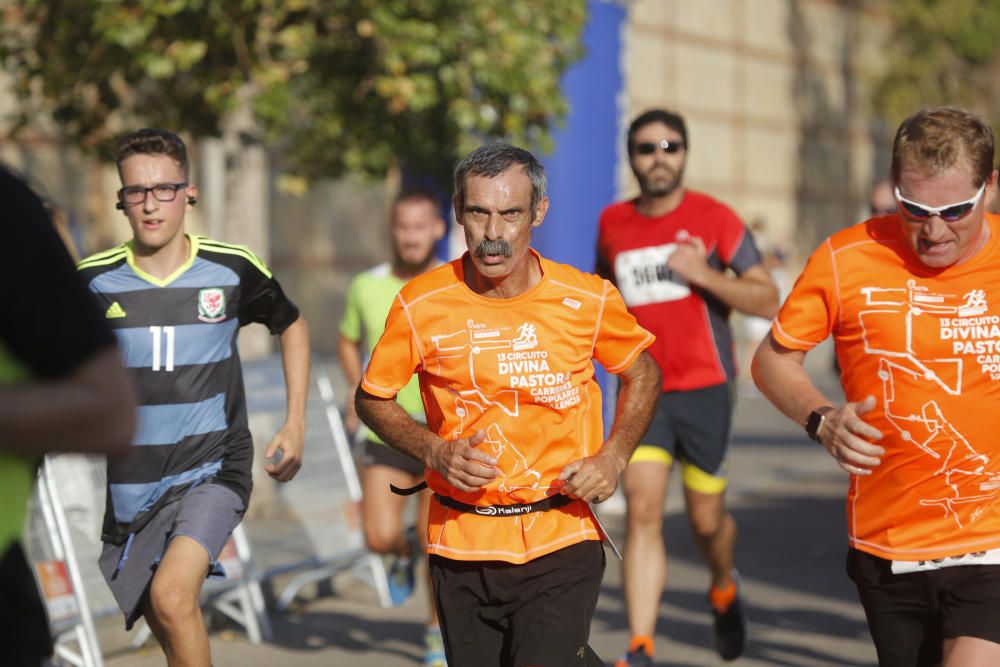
x=62, y=389
x=177, y=302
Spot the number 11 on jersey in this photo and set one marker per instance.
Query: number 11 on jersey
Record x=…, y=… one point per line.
x=158, y=334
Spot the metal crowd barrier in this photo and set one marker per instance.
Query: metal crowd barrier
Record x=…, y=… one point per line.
x=301, y=532
x=310, y=527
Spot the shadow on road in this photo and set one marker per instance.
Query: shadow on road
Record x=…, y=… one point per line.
x=318, y=630
x=791, y=551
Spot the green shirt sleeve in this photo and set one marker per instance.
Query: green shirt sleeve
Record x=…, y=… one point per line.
x=350, y=321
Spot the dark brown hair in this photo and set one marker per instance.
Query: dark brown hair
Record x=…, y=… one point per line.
x=152, y=141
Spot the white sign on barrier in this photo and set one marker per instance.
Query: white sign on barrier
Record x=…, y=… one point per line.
x=57, y=589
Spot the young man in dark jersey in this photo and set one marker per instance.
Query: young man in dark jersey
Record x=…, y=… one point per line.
x=176, y=302
x=668, y=252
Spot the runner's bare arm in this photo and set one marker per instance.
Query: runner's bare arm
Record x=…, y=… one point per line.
x=753, y=292
x=458, y=461
x=90, y=410
x=779, y=373
x=349, y=352
x=595, y=478
x=291, y=438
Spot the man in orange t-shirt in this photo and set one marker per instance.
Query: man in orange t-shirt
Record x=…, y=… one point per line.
x=912, y=300
x=502, y=341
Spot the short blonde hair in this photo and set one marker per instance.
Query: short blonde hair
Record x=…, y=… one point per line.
x=937, y=138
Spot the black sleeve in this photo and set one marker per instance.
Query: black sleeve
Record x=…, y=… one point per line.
x=747, y=255
x=49, y=320
x=264, y=301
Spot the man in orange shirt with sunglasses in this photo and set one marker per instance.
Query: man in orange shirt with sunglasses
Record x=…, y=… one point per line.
x=912, y=300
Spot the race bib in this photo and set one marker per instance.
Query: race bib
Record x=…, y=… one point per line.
x=991, y=557
x=643, y=277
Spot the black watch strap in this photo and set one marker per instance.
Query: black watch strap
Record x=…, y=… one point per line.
x=814, y=424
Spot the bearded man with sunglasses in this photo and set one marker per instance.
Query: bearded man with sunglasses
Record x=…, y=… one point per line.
x=668, y=252
x=176, y=302
x=912, y=300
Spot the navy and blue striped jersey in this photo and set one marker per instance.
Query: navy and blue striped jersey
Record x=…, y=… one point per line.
x=179, y=339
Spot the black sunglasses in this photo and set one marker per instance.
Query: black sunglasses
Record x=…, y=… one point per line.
x=647, y=147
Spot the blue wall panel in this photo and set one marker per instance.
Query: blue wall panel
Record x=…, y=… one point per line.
x=581, y=168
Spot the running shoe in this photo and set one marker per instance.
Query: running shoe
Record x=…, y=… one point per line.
x=636, y=658
x=402, y=579
x=434, y=649
x=731, y=625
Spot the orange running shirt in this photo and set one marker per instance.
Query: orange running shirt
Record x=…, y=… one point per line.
x=926, y=344
x=520, y=369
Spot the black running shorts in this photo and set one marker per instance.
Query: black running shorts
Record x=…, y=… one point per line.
x=909, y=615
x=380, y=454
x=693, y=426
x=496, y=614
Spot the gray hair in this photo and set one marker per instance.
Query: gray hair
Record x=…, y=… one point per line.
x=494, y=159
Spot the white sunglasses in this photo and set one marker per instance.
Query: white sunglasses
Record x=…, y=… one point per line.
x=950, y=213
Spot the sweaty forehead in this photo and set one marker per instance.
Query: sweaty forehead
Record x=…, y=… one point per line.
x=959, y=176
x=509, y=188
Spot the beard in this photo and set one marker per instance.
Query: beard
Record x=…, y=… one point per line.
x=416, y=266
x=659, y=185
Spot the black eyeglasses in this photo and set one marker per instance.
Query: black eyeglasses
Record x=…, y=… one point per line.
x=162, y=192
x=647, y=147
x=950, y=213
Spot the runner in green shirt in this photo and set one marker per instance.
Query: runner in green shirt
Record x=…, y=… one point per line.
x=415, y=225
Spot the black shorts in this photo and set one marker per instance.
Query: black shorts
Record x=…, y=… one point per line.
x=496, y=614
x=379, y=454
x=693, y=426
x=909, y=615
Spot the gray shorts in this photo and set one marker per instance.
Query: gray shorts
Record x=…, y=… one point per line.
x=207, y=513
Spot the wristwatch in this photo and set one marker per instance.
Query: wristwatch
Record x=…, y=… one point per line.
x=814, y=424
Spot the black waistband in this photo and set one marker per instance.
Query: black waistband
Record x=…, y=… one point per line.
x=544, y=505
x=409, y=490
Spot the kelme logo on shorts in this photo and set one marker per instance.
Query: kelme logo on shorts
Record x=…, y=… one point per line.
x=211, y=305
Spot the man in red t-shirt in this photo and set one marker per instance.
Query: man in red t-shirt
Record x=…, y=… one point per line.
x=503, y=342
x=669, y=251
x=911, y=300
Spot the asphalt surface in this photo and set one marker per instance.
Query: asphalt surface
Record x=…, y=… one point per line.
x=787, y=498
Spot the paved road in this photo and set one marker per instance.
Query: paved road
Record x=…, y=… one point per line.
x=787, y=497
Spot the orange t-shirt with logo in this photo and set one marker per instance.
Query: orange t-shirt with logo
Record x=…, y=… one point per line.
x=521, y=370
x=926, y=344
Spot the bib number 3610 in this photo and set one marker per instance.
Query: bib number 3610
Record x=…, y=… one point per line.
x=163, y=350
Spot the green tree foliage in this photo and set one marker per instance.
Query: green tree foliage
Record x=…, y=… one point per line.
x=941, y=52
x=334, y=85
